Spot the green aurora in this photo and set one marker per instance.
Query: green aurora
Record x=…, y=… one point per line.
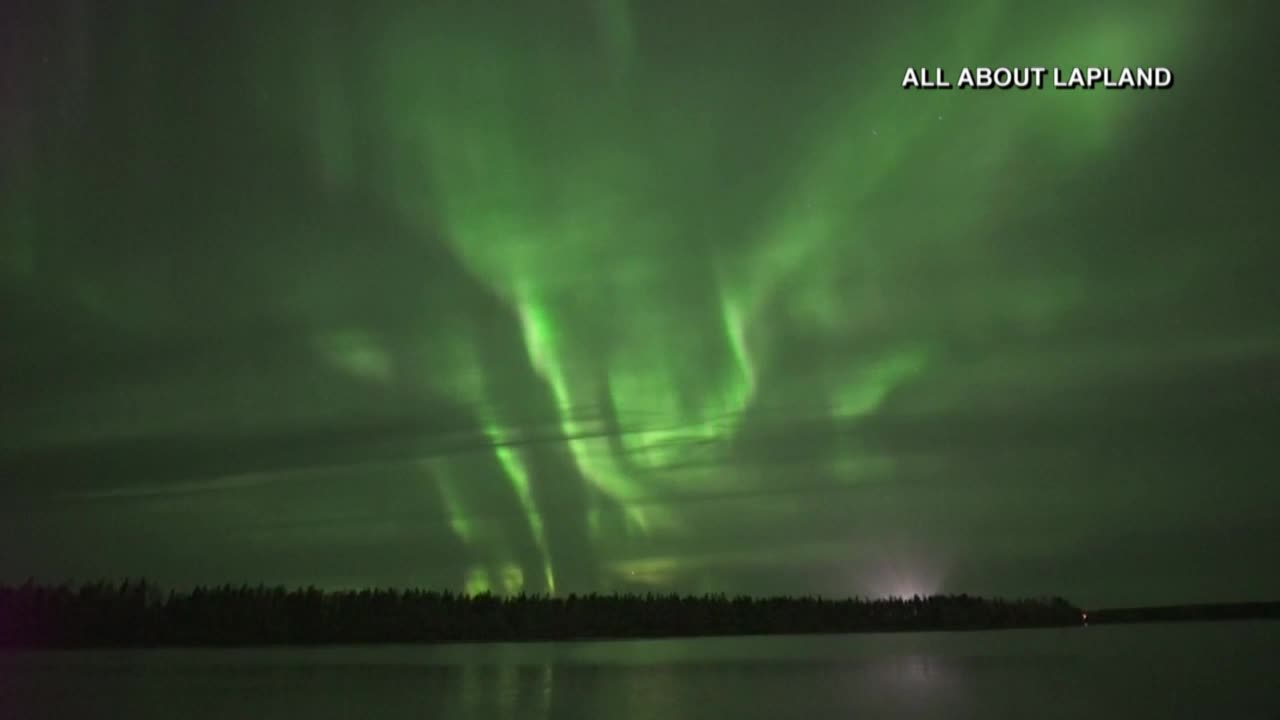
x=596, y=294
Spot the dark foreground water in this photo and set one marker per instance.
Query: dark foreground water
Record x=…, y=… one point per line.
x=1198, y=670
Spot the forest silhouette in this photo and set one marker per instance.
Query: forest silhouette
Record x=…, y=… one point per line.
x=141, y=614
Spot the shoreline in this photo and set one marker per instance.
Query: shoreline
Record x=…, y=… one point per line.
x=142, y=614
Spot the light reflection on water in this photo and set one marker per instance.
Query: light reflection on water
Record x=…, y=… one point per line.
x=1192, y=671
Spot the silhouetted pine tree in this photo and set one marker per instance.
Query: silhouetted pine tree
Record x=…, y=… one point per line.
x=137, y=614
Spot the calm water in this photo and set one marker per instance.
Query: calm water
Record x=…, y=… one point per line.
x=1204, y=670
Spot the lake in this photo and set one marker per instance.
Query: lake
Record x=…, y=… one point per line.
x=1190, y=670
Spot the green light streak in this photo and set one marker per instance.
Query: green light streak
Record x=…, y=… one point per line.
x=647, y=296
x=519, y=476
x=565, y=219
x=591, y=455
x=454, y=508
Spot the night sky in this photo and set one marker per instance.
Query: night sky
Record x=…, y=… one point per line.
x=594, y=295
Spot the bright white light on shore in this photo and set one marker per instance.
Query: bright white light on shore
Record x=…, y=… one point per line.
x=900, y=568
x=904, y=580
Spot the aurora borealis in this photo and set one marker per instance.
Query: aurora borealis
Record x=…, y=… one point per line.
x=610, y=295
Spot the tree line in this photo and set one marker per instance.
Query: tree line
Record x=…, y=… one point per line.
x=140, y=614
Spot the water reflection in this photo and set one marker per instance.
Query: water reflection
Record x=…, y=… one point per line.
x=1219, y=670
x=490, y=688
